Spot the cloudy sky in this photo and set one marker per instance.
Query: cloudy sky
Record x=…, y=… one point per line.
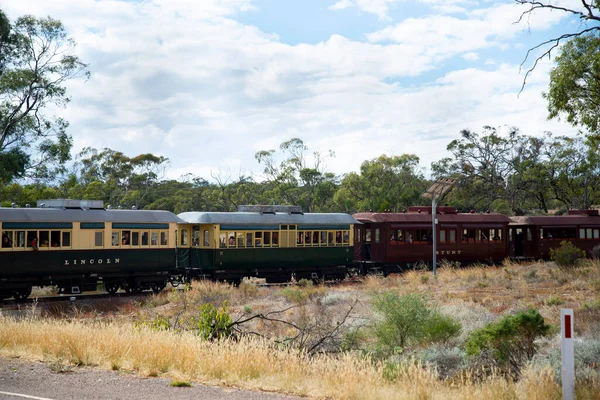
x=207, y=83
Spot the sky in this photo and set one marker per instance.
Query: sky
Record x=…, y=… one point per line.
x=208, y=83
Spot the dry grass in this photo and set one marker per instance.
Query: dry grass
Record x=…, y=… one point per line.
x=105, y=336
x=249, y=364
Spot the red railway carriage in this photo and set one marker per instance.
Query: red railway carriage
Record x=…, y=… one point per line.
x=390, y=242
x=534, y=236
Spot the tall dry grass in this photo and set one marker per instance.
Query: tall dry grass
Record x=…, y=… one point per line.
x=251, y=364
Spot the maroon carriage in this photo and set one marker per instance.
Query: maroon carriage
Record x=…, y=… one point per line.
x=533, y=237
x=391, y=242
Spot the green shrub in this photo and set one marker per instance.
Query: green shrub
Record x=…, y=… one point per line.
x=407, y=320
x=158, y=323
x=510, y=341
x=294, y=295
x=181, y=384
x=566, y=255
x=212, y=322
x=554, y=300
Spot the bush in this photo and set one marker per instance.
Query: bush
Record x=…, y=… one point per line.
x=510, y=341
x=409, y=320
x=566, y=255
x=213, y=323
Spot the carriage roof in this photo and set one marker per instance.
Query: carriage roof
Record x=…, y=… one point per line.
x=257, y=219
x=79, y=215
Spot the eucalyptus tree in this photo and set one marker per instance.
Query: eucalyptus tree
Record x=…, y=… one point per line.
x=299, y=178
x=384, y=183
x=36, y=61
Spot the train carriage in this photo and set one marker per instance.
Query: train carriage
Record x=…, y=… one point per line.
x=76, y=245
x=391, y=242
x=532, y=237
x=272, y=242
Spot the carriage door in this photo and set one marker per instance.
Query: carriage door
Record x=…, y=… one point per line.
x=516, y=241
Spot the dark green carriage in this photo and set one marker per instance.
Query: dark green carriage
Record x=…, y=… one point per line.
x=76, y=245
x=274, y=242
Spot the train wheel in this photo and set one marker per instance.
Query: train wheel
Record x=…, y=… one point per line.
x=111, y=288
x=22, y=294
x=157, y=287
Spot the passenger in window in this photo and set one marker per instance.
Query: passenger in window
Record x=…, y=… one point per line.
x=6, y=241
x=33, y=243
x=231, y=241
x=44, y=244
x=410, y=238
x=125, y=240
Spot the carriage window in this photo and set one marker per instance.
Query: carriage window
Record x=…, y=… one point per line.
x=589, y=233
x=258, y=239
x=377, y=235
x=145, y=238
x=32, y=239
x=368, y=236
x=163, y=238
x=498, y=235
x=196, y=236
x=206, y=239
x=267, y=238
x=442, y=236
x=7, y=239
x=222, y=239
x=249, y=239
x=323, y=241
x=231, y=239
x=275, y=239
x=284, y=227
x=98, y=242
x=115, y=238
x=338, y=237
x=529, y=235
x=20, y=239
x=356, y=235
x=126, y=238
x=44, y=239
x=330, y=238
x=596, y=233
x=306, y=238
x=582, y=234
x=300, y=238
x=154, y=238
x=184, y=237
x=240, y=239
x=135, y=238
x=55, y=238
x=292, y=227
x=346, y=237
x=66, y=239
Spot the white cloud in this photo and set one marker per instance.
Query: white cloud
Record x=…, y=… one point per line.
x=185, y=80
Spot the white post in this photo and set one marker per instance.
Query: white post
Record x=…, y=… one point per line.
x=568, y=357
x=433, y=212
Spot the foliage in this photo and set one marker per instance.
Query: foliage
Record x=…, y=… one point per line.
x=36, y=62
x=409, y=320
x=158, y=323
x=574, y=85
x=180, y=384
x=296, y=181
x=566, y=255
x=510, y=341
x=385, y=183
x=212, y=322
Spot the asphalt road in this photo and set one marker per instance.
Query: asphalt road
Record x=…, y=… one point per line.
x=21, y=379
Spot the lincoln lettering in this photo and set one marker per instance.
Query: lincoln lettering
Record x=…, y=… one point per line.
x=93, y=261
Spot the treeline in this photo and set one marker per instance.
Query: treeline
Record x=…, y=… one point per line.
x=511, y=173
